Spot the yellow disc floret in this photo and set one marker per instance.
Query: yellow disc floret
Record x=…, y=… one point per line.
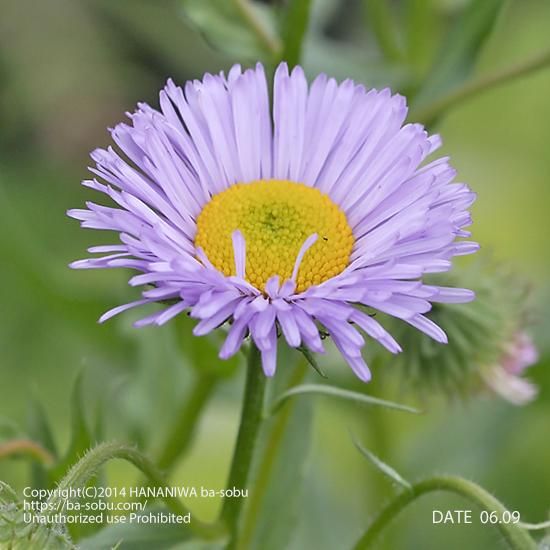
x=276, y=217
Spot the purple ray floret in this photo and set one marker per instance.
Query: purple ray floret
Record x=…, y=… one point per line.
x=407, y=214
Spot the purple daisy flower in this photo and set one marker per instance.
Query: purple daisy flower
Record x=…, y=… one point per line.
x=294, y=220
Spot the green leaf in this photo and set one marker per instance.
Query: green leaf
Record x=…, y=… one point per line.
x=460, y=51
x=7, y=494
x=18, y=534
x=386, y=469
x=138, y=536
x=9, y=429
x=342, y=60
x=184, y=424
x=339, y=393
x=294, y=28
x=422, y=30
x=240, y=28
x=161, y=31
x=312, y=361
x=380, y=20
x=41, y=432
x=81, y=439
x=39, y=426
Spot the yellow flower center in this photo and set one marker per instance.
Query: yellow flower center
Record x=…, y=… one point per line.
x=275, y=217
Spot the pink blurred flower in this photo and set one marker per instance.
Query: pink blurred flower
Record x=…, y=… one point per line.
x=504, y=378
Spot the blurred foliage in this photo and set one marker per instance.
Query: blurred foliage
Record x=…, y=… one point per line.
x=478, y=332
x=17, y=534
x=457, y=59
x=225, y=25
x=70, y=70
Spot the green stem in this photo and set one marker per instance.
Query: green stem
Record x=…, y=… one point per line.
x=180, y=436
x=378, y=434
x=516, y=537
x=429, y=113
x=251, y=418
x=16, y=447
x=267, y=464
x=87, y=467
x=250, y=17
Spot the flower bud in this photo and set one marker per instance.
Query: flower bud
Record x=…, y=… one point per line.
x=488, y=348
x=504, y=377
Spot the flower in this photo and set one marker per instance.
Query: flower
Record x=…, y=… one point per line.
x=295, y=220
x=489, y=347
x=504, y=377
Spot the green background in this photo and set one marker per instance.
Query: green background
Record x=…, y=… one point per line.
x=70, y=69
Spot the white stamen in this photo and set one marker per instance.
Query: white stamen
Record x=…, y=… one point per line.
x=308, y=243
x=239, y=251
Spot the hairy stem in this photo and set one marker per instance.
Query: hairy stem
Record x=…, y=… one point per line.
x=87, y=467
x=247, y=437
x=515, y=536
